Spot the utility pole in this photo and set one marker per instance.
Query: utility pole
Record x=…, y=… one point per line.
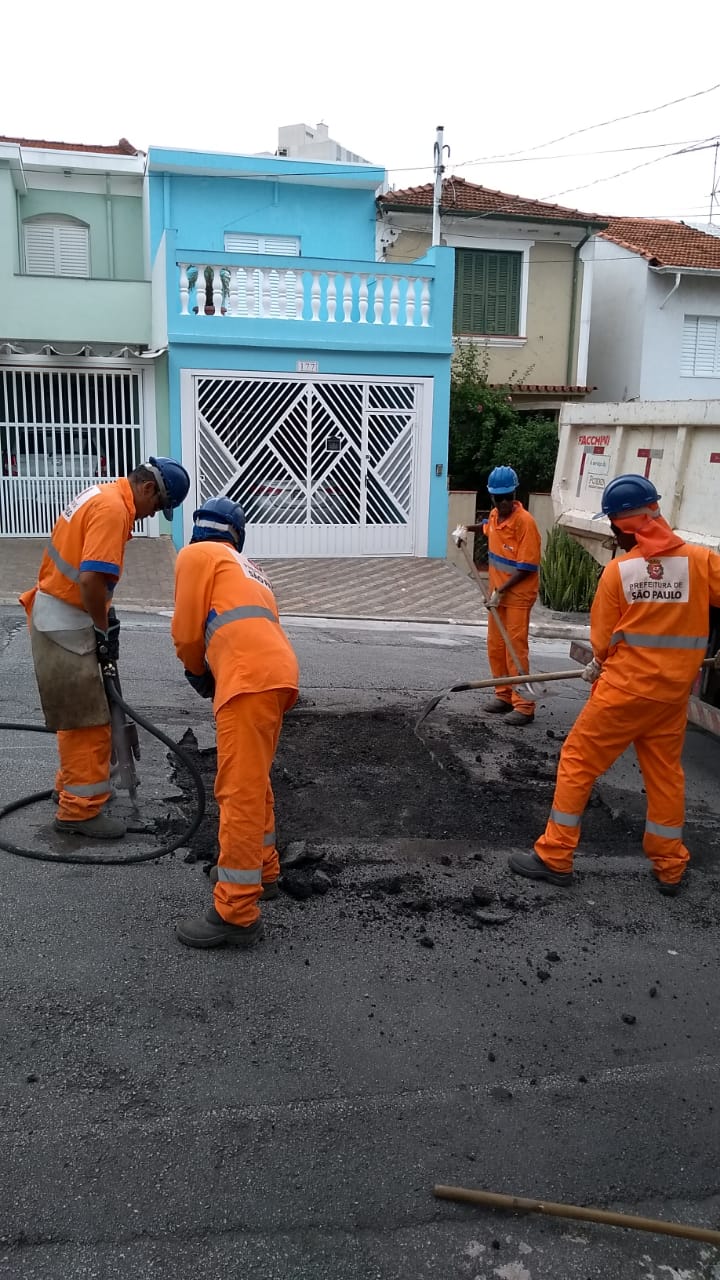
x=439, y=167
x=714, y=191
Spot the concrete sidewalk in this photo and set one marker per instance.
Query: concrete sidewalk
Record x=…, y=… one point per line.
x=392, y=589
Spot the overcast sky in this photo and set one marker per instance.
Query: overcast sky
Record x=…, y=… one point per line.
x=382, y=74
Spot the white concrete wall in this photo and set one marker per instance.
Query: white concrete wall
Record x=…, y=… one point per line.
x=616, y=323
x=661, y=378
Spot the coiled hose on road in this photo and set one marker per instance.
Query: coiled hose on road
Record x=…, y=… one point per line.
x=109, y=860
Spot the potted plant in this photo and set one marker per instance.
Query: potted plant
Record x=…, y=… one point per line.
x=208, y=274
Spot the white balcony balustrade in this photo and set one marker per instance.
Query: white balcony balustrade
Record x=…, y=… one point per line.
x=316, y=293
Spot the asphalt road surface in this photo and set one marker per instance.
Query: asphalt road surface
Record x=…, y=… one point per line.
x=416, y=1014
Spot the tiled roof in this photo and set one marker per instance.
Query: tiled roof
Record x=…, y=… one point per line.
x=545, y=389
x=122, y=148
x=466, y=197
x=665, y=244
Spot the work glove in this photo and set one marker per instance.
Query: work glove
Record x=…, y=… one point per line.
x=204, y=684
x=107, y=643
x=459, y=535
x=591, y=672
x=495, y=599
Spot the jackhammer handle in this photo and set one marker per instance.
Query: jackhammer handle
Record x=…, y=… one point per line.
x=521, y=1204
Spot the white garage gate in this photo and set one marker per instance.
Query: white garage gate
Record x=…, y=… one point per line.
x=323, y=466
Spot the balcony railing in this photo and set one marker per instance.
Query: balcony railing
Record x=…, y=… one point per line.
x=313, y=290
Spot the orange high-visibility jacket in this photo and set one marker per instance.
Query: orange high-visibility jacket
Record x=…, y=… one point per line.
x=650, y=619
x=513, y=544
x=90, y=534
x=226, y=614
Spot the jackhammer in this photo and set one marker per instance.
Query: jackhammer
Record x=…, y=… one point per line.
x=124, y=721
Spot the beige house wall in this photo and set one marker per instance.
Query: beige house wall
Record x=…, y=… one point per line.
x=544, y=355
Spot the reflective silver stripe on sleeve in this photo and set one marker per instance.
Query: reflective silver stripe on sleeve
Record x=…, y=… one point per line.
x=565, y=819
x=228, y=875
x=88, y=788
x=269, y=839
x=668, y=833
x=62, y=565
x=636, y=640
x=234, y=615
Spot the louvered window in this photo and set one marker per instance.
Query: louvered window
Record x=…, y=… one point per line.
x=487, y=292
x=56, y=246
x=249, y=293
x=701, y=347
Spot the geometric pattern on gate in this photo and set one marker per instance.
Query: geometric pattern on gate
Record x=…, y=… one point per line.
x=308, y=453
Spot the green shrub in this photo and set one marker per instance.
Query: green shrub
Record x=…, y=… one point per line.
x=568, y=574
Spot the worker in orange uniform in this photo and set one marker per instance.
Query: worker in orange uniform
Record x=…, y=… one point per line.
x=649, y=633
x=228, y=637
x=73, y=627
x=513, y=565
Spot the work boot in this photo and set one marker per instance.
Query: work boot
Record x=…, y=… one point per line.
x=533, y=867
x=497, y=707
x=670, y=890
x=210, y=930
x=519, y=719
x=101, y=827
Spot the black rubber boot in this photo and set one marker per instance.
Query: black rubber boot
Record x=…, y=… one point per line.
x=496, y=707
x=669, y=890
x=533, y=867
x=101, y=827
x=519, y=719
x=210, y=930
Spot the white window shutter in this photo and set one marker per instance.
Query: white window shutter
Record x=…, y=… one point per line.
x=282, y=246
x=701, y=347
x=73, y=250
x=40, y=249
x=56, y=246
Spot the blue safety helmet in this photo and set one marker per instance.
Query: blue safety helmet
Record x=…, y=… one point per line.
x=217, y=520
x=626, y=493
x=502, y=480
x=172, y=480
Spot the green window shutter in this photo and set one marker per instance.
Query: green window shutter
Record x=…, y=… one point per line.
x=487, y=292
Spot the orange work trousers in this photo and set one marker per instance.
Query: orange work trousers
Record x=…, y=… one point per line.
x=610, y=721
x=248, y=727
x=83, y=779
x=516, y=621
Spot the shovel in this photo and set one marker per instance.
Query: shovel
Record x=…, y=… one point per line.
x=532, y=693
x=575, y=673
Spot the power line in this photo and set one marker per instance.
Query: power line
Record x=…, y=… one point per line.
x=502, y=155
x=704, y=146
x=575, y=155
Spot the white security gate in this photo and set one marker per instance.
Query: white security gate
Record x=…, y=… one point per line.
x=60, y=431
x=322, y=466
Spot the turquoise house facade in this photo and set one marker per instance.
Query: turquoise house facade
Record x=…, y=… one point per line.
x=306, y=378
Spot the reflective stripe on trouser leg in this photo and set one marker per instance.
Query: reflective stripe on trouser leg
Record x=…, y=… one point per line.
x=247, y=732
x=659, y=753
x=516, y=621
x=604, y=729
x=84, y=771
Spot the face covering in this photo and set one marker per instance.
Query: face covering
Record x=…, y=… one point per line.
x=651, y=531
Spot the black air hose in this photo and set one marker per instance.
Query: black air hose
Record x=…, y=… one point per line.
x=110, y=860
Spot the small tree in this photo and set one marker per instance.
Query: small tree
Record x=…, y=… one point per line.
x=486, y=430
x=479, y=414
